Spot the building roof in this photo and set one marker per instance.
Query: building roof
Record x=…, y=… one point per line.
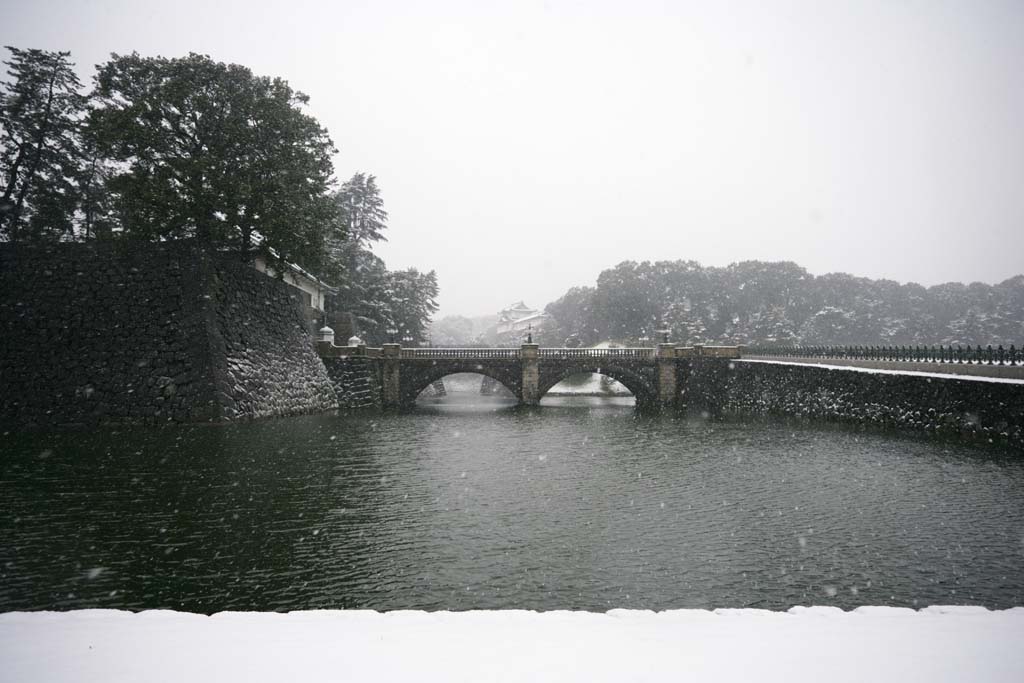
x=257, y=239
x=516, y=312
x=531, y=318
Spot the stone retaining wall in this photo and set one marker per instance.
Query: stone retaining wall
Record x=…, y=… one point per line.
x=355, y=380
x=142, y=333
x=952, y=406
x=972, y=369
x=266, y=364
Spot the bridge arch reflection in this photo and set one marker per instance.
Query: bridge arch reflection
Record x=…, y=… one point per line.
x=425, y=376
x=642, y=388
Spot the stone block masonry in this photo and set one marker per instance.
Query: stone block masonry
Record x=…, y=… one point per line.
x=970, y=408
x=356, y=382
x=264, y=361
x=139, y=333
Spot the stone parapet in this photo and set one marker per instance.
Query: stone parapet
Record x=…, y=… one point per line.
x=698, y=351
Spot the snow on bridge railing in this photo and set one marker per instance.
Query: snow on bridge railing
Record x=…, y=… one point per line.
x=912, y=354
x=596, y=353
x=459, y=353
x=330, y=350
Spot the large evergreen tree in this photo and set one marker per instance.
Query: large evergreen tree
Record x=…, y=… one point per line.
x=208, y=150
x=362, y=221
x=571, y=322
x=362, y=209
x=371, y=297
x=413, y=298
x=41, y=112
x=193, y=148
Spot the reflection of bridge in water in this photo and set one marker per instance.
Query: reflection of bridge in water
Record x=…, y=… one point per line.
x=655, y=376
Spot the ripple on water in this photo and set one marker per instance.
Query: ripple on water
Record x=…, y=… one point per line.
x=486, y=506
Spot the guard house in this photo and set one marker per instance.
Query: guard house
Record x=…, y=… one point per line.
x=518, y=318
x=312, y=290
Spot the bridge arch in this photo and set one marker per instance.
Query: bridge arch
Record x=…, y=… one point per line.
x=415, y=379
x=642, y=388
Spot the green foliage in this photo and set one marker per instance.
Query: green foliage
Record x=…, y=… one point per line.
x=208, y=150
x=97, y=217
x=363, y=295
x=362, y=221
x=754, y=302
x=362, y=210
x=192, y=148
x=413, y=297
x=452, y=330
x=370, y=296
x=571, y=319
x=40, y=158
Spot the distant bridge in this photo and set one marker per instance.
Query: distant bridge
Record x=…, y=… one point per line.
x=655, y=375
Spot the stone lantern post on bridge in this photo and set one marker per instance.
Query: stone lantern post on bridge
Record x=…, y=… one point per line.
x=325, y=335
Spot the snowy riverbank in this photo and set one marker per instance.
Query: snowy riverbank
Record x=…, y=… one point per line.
x=804, y=644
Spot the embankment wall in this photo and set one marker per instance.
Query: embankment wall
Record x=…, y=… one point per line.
x=138, y=333
x=356, y=381
x=971, y=408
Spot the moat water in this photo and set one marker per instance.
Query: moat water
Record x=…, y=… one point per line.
x=473, y=504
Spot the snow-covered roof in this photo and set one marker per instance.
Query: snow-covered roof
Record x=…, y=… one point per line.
x=535, y=316
x=257, y=239
x=516, y=312
x=518, y=306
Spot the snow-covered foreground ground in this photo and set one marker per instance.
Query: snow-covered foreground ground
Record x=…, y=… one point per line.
x=804, y=644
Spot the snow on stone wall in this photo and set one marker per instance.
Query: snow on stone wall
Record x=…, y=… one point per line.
x=968, y=407
x=130, y=333
x=355, y=382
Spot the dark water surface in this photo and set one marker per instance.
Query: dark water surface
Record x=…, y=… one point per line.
x=482, y=506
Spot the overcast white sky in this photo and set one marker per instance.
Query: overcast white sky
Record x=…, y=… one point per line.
x=523, y=147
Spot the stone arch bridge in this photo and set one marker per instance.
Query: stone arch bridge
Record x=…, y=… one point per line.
x=655, y=376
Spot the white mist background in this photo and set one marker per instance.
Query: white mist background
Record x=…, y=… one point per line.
x=523, y=147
